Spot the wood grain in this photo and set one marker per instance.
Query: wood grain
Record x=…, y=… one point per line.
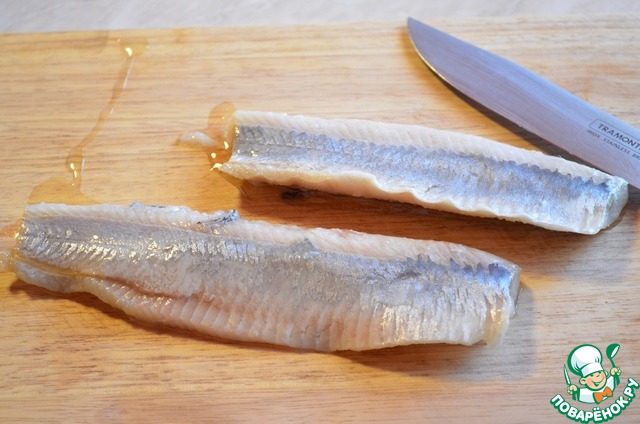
x=72, y=359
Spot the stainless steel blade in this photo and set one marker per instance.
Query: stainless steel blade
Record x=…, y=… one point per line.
x=566, y=376
x=531, y=102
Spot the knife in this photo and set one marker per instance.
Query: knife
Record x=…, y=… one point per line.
x=567, y=380
x=531, y=102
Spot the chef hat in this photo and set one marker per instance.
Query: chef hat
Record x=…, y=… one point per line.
x=585, y=359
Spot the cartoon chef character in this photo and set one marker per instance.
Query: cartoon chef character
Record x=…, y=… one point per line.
x=586, y=362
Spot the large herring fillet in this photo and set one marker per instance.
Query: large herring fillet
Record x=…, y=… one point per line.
x=315, y=289
x=436, y=169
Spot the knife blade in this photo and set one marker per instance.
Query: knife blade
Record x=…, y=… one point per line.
x=566, y=376
x=531, y=102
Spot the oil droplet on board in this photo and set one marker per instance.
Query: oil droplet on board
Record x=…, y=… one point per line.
x=131, y=48
x=217, y=139
x=7, y=243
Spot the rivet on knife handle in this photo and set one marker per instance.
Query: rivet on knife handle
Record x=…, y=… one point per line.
x=532, y=102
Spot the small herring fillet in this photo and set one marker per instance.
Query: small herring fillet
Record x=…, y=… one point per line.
x=221, y=275
x=436, y=169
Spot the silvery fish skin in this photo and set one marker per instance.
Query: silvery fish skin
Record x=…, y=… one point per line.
x=314, y=289
x=436, y=169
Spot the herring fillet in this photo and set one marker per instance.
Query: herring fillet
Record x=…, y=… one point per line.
x=315, y=289
x=437, y=169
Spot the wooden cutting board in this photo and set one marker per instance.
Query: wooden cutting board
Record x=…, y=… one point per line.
x=116, y=102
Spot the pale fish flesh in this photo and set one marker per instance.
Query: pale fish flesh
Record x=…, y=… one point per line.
x=314, y=289
x=436, y=169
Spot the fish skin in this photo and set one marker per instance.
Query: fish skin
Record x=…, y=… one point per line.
x=436, y=169
x=315, y=289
